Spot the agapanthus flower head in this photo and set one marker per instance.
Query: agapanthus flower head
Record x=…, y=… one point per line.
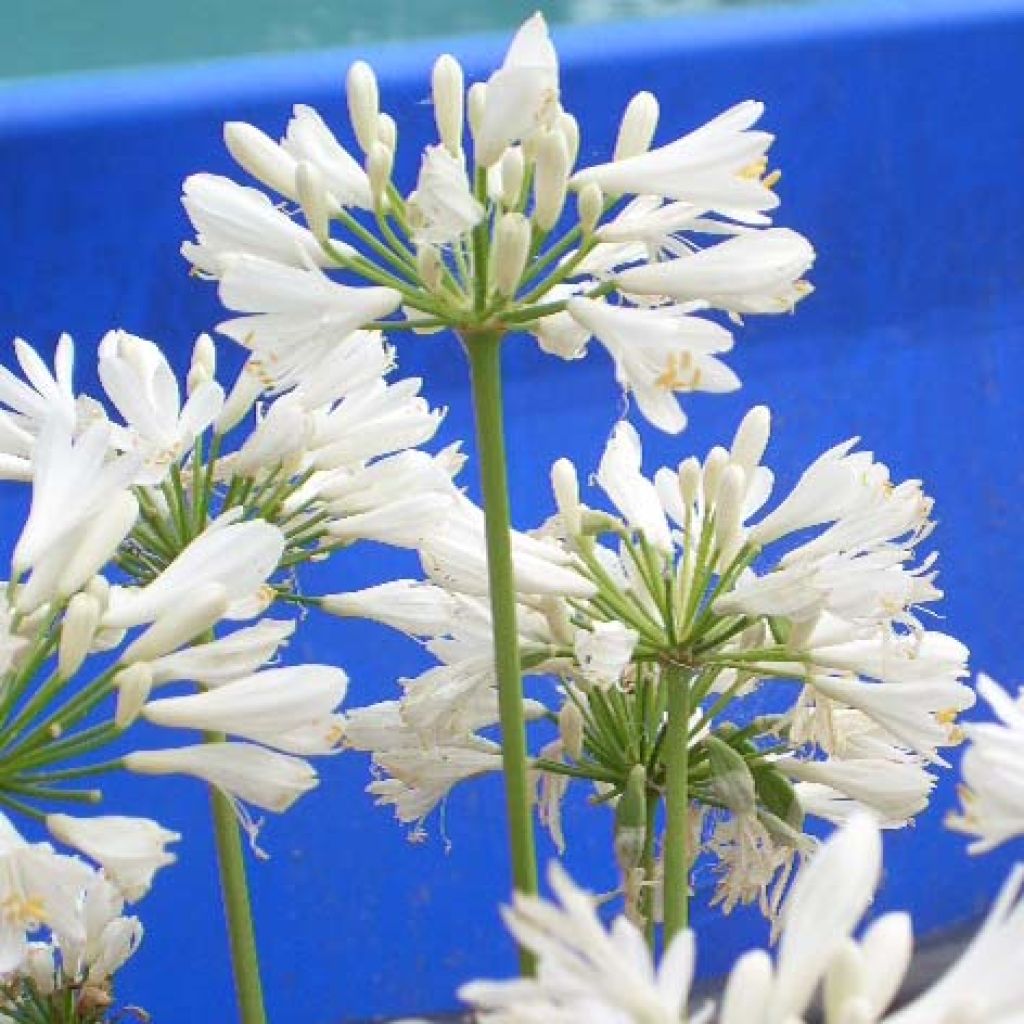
x=653, y=241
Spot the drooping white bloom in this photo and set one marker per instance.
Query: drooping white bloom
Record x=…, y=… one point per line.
x=714, y=167
x=414, y=607
x=253, y=774
x=130, y=850
x=992, y=793
x=292, y=709
x=442, y=209
x=139, y=381
x=238, y=556
x=604, y=652
x=585, y=972
x=658, y=352
x=296, y=315
x=521, y=96
x=759, y=272
x=232, y=220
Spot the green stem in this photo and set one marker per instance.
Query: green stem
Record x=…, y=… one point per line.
x=677, y=805
x=484, y=350
x=237, y=907
x=647, y=899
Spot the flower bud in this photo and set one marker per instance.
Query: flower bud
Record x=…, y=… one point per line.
x=714, y=466
x=133, y=685
x=476, y=102
x=566, y=486
x=77, y=631
x=251, y=383
x=429, y=266
x=387, y=131
x=570, y=729
x=511, y=247
x=512, y=170
x=631, y=820
x=637, y=128
x=363, y=104
x=309, y=183
x=731, y=781
x=203, y=367
x=447, y=85
x=98, y=543
x=551, y=177
x=263, y=158
x=689, y=480
x=751, y=440
x=570, y=129
x=590, y=204
x=729, y=511
x=378, y=169
x=183, y=622
x=99, y=588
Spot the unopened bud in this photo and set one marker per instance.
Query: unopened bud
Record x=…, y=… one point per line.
x=476, y=103
x=689, y=473
x=637, y=128
x=99, y=588
x=714, y=466
x=551, y=177
x=77, y=631
x=729, y=511
x=378, y=169
x=387, y=131
x=631, y=820
x=512, y=169
x=570, y=729
x=181, y=624
x=751, y=440
x=133, y=686
x=263, y=158
x=511, y=247
x=590, y=204
x=203, y=367
x=309, y=182
x=99, y=543
x=731, y=781
x=251, y=383
x=570, y=129
x=429, y=266
x=566, y=485
x=448, y=84
x=363, y=104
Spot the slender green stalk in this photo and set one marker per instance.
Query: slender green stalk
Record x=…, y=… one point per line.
x=677, y=804
x=484, y=350
x=237, y=907
x=647, y=897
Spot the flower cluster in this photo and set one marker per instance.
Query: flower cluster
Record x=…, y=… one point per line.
x=689, y=584
x=657, y=235
x=589, y=973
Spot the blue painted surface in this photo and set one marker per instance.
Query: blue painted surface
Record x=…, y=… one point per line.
x=901, y=136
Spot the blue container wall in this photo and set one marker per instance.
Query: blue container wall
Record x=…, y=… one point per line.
x=902, y=138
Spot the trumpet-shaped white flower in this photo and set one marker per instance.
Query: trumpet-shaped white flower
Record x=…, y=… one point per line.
x=759, y=272
x=411, y=606
x=442, y=209
x=308, y=139
x=130, y=850
x=604, y=652
x=253, y=774
x=659, y=352
x=44, y=394
x=292, y=709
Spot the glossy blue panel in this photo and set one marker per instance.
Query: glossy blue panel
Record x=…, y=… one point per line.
x=901, y=136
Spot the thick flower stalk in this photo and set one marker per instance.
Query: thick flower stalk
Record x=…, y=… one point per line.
x=502, y=233
x=587, y=972
x=672, y=621
x=154, y=521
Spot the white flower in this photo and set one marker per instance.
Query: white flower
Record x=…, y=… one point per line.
x=605, y=652
x=43, y=394
x=585, y=972
x=308, y=139
x=414, y=607
x=227, y=658
x=714, y=168
x=238, y=556
x=759, y=272
x=658, y=352
x=252, y=774
x=298, y=316
x=130, y=850
x=522, y=95
x=139, y=381
x=442, y=209
x=292, y=709
x=992, y=793
x=232, y=220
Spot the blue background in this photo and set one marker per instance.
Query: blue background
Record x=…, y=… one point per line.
x=901, y=137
